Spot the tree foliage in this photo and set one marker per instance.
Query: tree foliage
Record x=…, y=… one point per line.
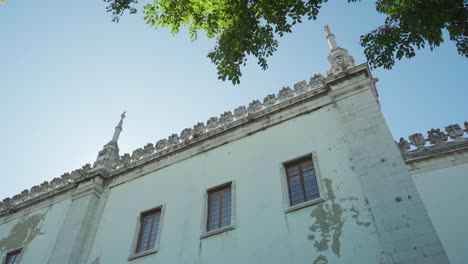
x=244, y=28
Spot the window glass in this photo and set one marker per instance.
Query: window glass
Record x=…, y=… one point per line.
x=148, y=230
x=219, y=208
x=302, y=182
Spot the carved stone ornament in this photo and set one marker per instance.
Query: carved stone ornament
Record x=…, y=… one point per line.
x=212, y=123
x=225, y=118
x=269, y=100
x=161, y=144
x=34, y=191
x=148, y=149
x=417, y=140
x=66, y=177
x=466, y=126
x=240, y=112
x=455, y=132
x=199, y=129
x=126, y=159
x=186, y=134
x=172, y=140
x=55, y=182
x=435, y=136
x=300, y=87
x=137, y=154
x=285, y=93
x=86, y=168
x=317, y=82
x=254, y=107
x=403, y=144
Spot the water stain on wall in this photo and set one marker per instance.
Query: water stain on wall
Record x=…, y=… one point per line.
x=22, y=233
x=329, y=220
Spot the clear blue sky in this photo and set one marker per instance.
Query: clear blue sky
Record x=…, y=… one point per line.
x=67, y=72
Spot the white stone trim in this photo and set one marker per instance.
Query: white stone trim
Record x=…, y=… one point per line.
x=233, y=225
x=284, y=182
x=136, y=234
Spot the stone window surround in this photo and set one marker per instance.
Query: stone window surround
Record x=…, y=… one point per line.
x=132, y=254
x=203, y=227
x=284, y=182
x=18, y=251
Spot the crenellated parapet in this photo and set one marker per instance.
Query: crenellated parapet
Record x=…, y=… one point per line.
x=435, y=139
x=218, y=123
x=45, y=189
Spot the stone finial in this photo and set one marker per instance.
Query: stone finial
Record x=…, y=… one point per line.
x=330, y=38
x=269, y=100
x=403, y=144
x=254, y=107
x=118, y=128
x=417, y=140
x=172, y=140
x=466, y=126
x=339, y=58
x=212, y=123
x=240, y=112
x=285, y=93
x=300, y=87
x=186, y=134
x=317, y=81
x=225, y=118
x=161, y=144
x=199, y=129
x=435, y=136
x=455, y=132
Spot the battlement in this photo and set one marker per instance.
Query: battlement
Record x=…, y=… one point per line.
x=187, y=136
x=440, y=143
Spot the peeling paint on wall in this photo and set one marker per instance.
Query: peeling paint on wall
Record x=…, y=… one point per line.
x=22, y=233
x=321, y=260
x=96, y=261
x=329, y=220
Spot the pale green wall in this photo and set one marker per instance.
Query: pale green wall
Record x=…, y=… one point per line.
x=35, y=229
x=445, y=195
x=264, y=233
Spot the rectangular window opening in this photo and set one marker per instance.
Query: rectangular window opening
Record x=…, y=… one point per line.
x=302, y=181
x=13, y=257
x=148, y=230
x=219, y=207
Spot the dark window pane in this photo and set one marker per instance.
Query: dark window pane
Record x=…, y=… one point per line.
x=148, y=231
x=302, y=182
x=219, y=208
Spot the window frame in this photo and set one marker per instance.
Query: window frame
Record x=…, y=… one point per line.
x=138, y=229
x=18, y=252
x=286, y=191
x=204, y=224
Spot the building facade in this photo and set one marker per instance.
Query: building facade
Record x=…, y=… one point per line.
x=309, y=175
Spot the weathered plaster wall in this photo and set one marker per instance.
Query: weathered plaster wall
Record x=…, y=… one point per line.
x=339, y=230
x=34, y=229
x=444, y=193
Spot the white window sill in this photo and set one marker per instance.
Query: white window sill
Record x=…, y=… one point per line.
x=303, y=205
x=142, y=254
x=217, y=231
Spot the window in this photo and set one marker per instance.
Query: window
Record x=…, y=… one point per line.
x=301, y=181
x=219, y=208
x=13, y=257
x=148, y=230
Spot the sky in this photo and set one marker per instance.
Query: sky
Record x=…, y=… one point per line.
x=67, y=73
